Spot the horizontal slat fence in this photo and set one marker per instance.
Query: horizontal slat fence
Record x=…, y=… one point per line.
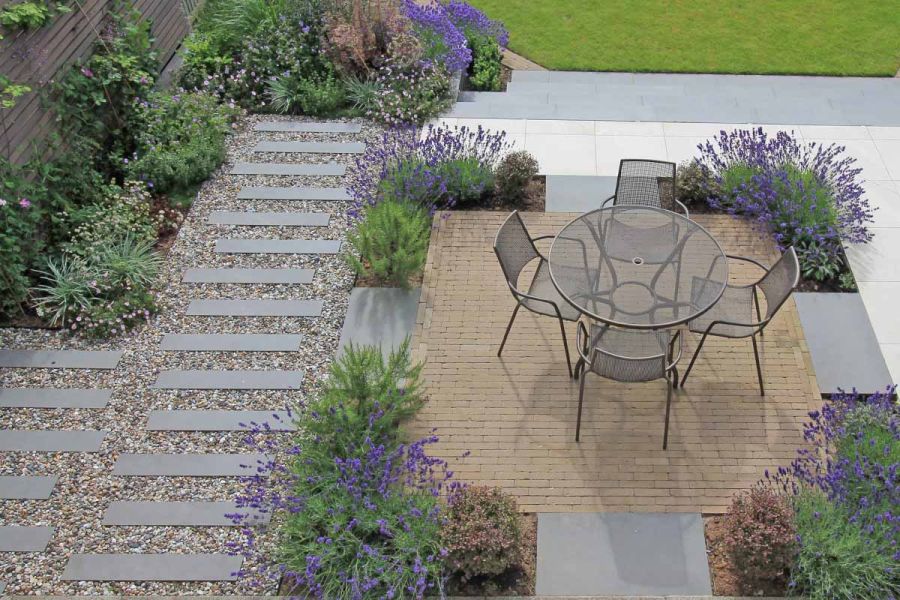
x=35, y=57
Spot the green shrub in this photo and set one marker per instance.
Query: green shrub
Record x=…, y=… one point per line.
x=201, y=58
x=468, y=179
x=760, y=536
x=817, y=263
x=317, y=96
x=410, y=93
x=67, y=290
x=512, y=176
x=694, y=184
x=123, y=213
x=482, y=534
x=391, y=241
x=485, y=71
x=362, y=94
x=20, y=242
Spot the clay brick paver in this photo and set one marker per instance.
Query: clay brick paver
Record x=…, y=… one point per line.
x=516, y=414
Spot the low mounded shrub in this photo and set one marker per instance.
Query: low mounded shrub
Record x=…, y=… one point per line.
x=694, y=184
x=124, y=212
x=410, y=92
x=760, y=535
x=482, y=534
x=485, y=72
x=512, y=176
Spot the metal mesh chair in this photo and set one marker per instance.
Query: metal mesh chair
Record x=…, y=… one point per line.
x=646, y=183
x=733, y=315
x=628, y=355
x=515, y=249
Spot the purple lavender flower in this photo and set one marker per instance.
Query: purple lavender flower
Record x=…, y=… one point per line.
x=472, y=22
x=443, y=41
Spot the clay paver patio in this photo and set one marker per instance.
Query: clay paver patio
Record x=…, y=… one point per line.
x=515, y=415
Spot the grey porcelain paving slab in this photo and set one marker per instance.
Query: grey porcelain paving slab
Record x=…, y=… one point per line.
x=261, y=246
x=842, y=343
x=48, y=440
x=287, y=169
x=219, y=420
x=255, y=308
x=60, y=359
x=53, y=398
x=575, y=193
x=311, y=147
x=621, y=554
x=275, y=219
x=187, y=465
x=152, y=567
x=228, y=380
x=379, y=316
x=273, y=276
x=230, y=342
x=187, y=514
x=15, y=538
x=293, y=193
x=26, y=487
x=303, y=127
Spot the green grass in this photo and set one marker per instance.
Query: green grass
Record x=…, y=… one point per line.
x=821, y=37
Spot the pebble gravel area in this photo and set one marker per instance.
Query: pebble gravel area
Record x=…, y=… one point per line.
x=86, y=485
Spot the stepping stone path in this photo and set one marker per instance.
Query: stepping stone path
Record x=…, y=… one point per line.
x=230, y=342
x=272, y=219
x=293, y=193
x=26, y=487
x=228, y=380
x=14, y=538
x=53, y=398
x=219, y=420
x=303, y=127
x=188, y=465
x=152, y=567
x=278, y=246
x=312, y=147
x=59, y=359
x=273, y=276
x=289, y=169
x=255, y=308
x=21, y=440
x=179, y=514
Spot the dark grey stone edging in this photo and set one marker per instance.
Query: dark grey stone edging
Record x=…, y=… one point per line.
x=379, y=316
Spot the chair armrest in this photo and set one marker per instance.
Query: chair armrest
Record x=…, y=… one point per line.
x=749, y=260
x=581, y=343
x=607, y=201
x=687, y=214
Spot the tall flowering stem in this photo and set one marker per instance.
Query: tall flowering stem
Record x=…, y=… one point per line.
x=443, y=40
x=472, y=22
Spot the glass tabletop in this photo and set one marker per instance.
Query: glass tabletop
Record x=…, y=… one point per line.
x=637, y=266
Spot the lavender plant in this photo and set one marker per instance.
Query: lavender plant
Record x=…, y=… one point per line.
x=473, y=23
x=801, y=194
x=442, y=40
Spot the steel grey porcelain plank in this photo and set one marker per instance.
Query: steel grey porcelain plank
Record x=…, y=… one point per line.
x=188, y=465
x=304, y=127
x=255, y=308
x=230, y=342
x=293, y=193
x=311, y=147
x=15, y=538
x=220, y=420
x=273, y=276
x=186, y=514
x=261, y=246
x=53, y=398
x=27, y=487
x=288, y=169
x=152, y=567
x=48, y=440
x=60, y=359
x=229, y=380
x=272, y=219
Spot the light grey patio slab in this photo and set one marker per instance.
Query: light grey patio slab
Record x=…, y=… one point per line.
x=379, y=316
x=627, y=554
x=15, y=538
x=53, y=398
x=289, y=169
x=230, y=342
x=311, y=147
x=273, y=219
x=304, y=127
x=842, y=343
x=263, y=246
x=273, y=276
x=228, y=380
x=49, y=440
x=255, y=308
x=293, y=193
x=188, y=465
x=27, y=487
x=152, y=567
x=220, y=420
x=186, y=514
x=576, y=193
x=60, y=359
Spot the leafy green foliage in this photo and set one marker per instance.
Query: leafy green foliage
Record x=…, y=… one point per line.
x=694, y=183
x=306, y=95
x=20, y=242
x=468, y=179
x=391, y=241
x=485, y=71
x=817, y=264
x=201, y=59
x=122, y=213
x=512, y=176
x=67, y=290
x=25, y=15
x=362, y=94
x=11, y=91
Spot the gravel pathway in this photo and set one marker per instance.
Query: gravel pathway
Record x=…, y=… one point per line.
x=86, y=486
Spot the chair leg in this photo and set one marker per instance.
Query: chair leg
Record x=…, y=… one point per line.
x=562, y=329
x=508, y=327
x=693, y=359
x=762, y=390
x=756, y=304
x=668, y=406
x=580, y=402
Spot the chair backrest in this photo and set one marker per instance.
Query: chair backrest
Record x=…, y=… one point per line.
x=514, y=247
x=646, y=183
x=628, y=356
x=778, y=283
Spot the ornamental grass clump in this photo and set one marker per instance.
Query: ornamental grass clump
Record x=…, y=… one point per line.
x=804, y=195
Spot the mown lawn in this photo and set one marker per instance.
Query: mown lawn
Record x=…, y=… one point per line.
x=822, y=37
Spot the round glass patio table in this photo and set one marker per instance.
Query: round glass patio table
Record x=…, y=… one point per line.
x=638, y=267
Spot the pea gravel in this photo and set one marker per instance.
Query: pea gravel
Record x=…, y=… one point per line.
x=86, y=486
